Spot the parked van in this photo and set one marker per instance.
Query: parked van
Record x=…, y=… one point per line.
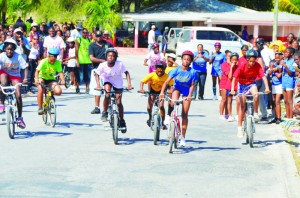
x=190, y=37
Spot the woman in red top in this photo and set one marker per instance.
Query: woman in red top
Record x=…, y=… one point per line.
x=243, y=59
x=222, y=89
x=230, y=69
x=246, y=75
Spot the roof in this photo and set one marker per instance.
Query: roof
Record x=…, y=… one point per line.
x=210, y=11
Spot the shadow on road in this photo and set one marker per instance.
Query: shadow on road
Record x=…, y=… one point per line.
x=28, y=134
x=35, y=105
x=188, y=149
x=74, y=124
x=265, y=143
x=135, y=112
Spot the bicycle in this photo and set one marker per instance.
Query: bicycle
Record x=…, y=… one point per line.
x=114, y=118
x=67, y=76
x=49, y=107
x=11, y=109
x=156, y=119
x=174, y=130
x=249, y=121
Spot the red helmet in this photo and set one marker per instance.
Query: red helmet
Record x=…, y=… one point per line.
x=155, y=45
x=217, y=44
x=187, y=52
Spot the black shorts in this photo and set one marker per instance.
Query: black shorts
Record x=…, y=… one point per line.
x=47, y=82
x=114, y=88
x=154, y=92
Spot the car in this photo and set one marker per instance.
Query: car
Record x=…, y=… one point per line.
x=173, y=36
x=190, y=37
x=123, y=36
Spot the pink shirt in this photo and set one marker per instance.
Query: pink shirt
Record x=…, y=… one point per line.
x=113, y=74
x=153, y=60
x=225, y=71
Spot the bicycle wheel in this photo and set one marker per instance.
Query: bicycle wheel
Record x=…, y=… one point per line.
x=115, y=128
x=171, y=135
x=156, y=127
x=10, y=122
x=45, y=114
x=245, y=130
x=67, y=79
x=52, y=112
x=250, y=127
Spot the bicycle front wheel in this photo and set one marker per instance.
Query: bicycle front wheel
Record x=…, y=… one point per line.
x=45, y=114
x=67, y=79
x=10, y=122
x=171, y=136
x=52, y=112
x=115, y=128
x=156, y=127
x=250, y=130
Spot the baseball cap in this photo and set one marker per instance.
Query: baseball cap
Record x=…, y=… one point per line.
x=98, y=33
x=18, y=30
x=79, y=26
x=153, y=26
x=70, y=39
x=166, y=28
x=106, y=32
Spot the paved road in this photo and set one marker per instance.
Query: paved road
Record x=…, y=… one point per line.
x=77, y=158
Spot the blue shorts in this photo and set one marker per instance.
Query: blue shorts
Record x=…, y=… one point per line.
x=164, y=47
x=182, y=90
x=229, y=94
x=288, y=83
x=245, y=89
x=216, y=71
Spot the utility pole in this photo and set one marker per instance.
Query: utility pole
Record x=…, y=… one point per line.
x=275, y=22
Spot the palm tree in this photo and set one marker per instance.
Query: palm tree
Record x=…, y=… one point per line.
x=101, y=13
x=291, y=6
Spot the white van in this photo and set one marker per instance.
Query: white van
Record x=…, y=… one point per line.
x=207, y=36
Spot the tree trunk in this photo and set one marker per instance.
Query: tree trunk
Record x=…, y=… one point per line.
x=3, y=17
x=137, y=5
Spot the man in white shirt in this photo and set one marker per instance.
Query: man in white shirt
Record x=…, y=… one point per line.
x=54, y=41
x=76, y=33
x=151, y=37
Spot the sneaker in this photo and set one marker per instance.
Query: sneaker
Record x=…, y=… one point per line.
x=123, y=126
x=148, y=123
x=278, y=121
x=236, y=117
x=256, y=117
x=215, y=97
x=87, y=91
x=182, y=142
x=40, y=111
x=22, y=124
x=222, y=117
x=96, y=111
x=230, y=119
x=2, y=108
x=104, y=116
x=77, y=90
x=73, y=87
x=240, y=133
x=219, y=98
x=167, y=120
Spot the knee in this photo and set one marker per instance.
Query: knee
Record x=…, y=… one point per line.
x=57, y=90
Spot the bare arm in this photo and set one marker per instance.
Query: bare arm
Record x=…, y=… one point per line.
x=128, y=79
x=267, y=90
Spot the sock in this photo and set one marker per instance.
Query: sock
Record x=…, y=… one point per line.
x=215, y=90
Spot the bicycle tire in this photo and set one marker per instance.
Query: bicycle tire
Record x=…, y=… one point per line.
x=171, y=136
x=52, y=112
x=250, y=127
x=156, y=127
x=45, y=115
x=115, y=128
x=245, y=130
x=67, y=79
x=10, y=122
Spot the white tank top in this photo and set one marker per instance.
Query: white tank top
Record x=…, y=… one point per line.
x=33, y=53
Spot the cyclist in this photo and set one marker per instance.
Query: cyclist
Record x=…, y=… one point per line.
x=154, y=58
x=171, y=64
x=247, y=74
x=217, y=58
x=111, y=72
x=45, y=73
x=156, y=80
x=11, y=64
x=185, y=79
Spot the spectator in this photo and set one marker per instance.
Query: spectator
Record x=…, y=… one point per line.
x=165, y=41
x=151, y=38
x=295, y=45
x=107, y=38
x=54, y=41
x=245, y=35
x=19, y=20
x=289, y=40
x=30, y=20
x=76, y=33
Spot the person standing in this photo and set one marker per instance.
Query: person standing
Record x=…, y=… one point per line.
x=82, y=58
x=245, y=35
x=76, y=33
x=52, y=40
x=151, y=38
x=97, y=51
x=164, y=41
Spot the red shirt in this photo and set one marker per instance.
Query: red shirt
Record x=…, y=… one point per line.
x=225, y=67
x=247, y=75
x=228, y=83
x=242, y=60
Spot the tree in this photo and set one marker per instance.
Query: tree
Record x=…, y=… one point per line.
x=291, y=6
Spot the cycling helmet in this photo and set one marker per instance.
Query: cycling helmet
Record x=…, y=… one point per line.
x=161, y=64
x=251, y=53
x=111, y=50
x=53, y=51
x=172, y=55
x=187, y=52
x=234, y=54
x=217, y=44
x=155, y=45
x=10, y=41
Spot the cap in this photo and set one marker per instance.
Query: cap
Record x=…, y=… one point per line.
x=260, y=41
x=79, y=26
x=18, y=30
x=98, y=33
x=153, y=26
x=167, y=28
x=70, y=39
x=34, y=24
x=106, y=32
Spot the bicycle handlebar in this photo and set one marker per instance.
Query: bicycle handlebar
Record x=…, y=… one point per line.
x=113, y=91
x=250, y=95
x=179, y=100
x=13, y=88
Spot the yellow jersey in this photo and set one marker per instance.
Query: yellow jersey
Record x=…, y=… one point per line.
x=168, y=69
x=156, y=81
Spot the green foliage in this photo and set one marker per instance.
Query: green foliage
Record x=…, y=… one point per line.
x=291, y=6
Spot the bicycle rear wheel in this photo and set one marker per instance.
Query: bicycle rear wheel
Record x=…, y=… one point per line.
x=67, y=79
x=250, y=130
x=156, y=127
x=10, y=122
x=45, y=115
x=245, y=129
x=171, y=136
x=52, y=112
x=115, y=127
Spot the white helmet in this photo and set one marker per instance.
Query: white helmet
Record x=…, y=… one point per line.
x=172, y=55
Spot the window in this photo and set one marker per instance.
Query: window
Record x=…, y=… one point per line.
x=231, y=37
x=202, y=35
x=185, y=36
